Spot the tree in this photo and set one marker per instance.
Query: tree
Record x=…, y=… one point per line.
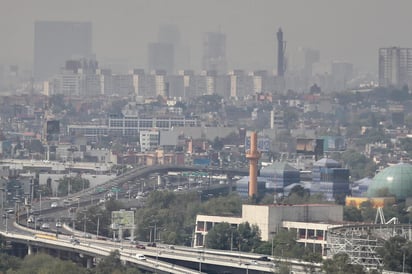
x=341, y=264
x=352, y=214
x=315, y=89
x=397, y=254
x=249, y=237
x=360, y=166
x=8, y=262
x=285, y=245
x=97, y=214
x=110, y=264
x=45, y=264
x=220, y=237
x=217, y=144
x=76, y=184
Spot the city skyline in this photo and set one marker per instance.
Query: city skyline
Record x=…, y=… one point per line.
x=347, y=31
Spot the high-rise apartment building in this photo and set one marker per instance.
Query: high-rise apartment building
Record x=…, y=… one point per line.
x=214, y=52
x=55, y=42
x=395, y=66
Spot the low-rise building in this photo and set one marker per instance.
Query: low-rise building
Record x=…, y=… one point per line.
x=311, y=221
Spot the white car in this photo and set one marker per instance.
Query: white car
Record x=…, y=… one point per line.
x=45, y=226
x=58, y=224
x=140, y=257
x=53, y=205
x=30, y=219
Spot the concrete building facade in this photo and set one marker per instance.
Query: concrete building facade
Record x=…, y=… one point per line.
x=311, y=221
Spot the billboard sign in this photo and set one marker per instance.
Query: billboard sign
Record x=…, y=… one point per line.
x=123, y=218
x=263, y=144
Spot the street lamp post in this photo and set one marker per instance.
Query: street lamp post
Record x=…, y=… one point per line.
x=6, y=216
x=98, y=224
x=272, y=233
x=3, y=190
x=40, y=202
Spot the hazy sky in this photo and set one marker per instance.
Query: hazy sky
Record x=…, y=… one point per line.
x=343, y=30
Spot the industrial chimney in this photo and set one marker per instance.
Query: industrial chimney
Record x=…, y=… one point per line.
x=253, y=156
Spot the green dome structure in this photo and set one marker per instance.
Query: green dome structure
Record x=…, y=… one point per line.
x=395, y=180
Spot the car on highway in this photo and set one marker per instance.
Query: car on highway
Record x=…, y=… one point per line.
x=58, y=224
x=152, y=244
x=264, y=258
x=74, y=241
x=54, y=205
x=30, y=219
x=140, y=257
x=45, y=226
x=140, y=246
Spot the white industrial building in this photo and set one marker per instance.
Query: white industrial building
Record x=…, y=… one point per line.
x=311, y=221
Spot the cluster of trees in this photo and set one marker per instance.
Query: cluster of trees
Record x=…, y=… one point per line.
x=45, y=264
x=397, y=254
x=75, y=184
x=97, y=215
x=244, y=237
x=341, y=264
x=173, y=215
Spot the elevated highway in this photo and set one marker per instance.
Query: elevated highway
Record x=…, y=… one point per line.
x=177, y=260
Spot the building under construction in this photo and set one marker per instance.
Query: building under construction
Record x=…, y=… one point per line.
x=395, y=66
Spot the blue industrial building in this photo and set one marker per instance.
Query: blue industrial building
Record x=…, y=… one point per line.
x=329, y=179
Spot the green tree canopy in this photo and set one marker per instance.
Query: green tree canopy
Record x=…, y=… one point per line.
x=223, y=236
x=397, y=254
x=340, y=264
x=45, y=264
x=76, y=184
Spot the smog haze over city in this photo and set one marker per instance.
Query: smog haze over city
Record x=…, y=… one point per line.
x=350, y=31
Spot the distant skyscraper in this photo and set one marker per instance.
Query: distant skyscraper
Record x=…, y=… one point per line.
x=214, y=52
x=55, y=42
x=170, y=34
x=161, y=57
x=395, y=66
x=281, y=53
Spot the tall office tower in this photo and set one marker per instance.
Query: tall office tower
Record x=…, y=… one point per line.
x=206, y=82
x=78, y=78
x=214, y=52
x=395, y=66
x=281, y=53
x=139, y=82
x=170, y=34
x=237, y=84
x=156, y=84
x=258, y=81
x=55, y=42
x=161, y=57
x=106, y=81
x=188, y=83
